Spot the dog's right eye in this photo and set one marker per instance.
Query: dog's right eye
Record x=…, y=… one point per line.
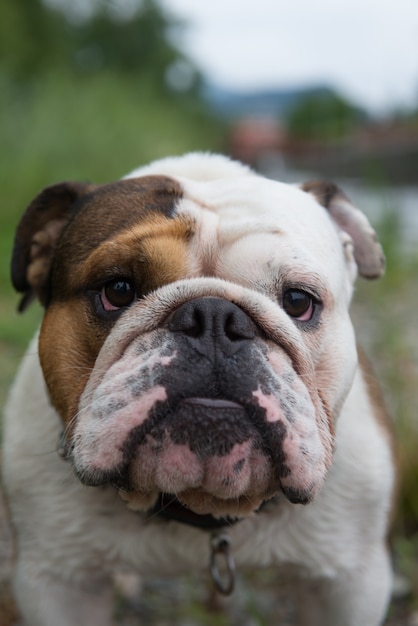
x=299, y=304
x=117, y=294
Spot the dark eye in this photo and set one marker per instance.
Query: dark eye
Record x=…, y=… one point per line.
x=298, y=304
x=117, y=294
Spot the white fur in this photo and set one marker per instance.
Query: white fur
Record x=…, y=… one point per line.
x=195, y=166
x=72, y=539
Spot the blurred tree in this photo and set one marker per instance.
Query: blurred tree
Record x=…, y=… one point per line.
x=129, y=37
x=323, y=116
x=31, y=37
x=128, y=43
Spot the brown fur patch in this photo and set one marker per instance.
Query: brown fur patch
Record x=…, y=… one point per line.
x=48, y=225
x=323, y=190
x=119, y=221
x=37, y=234
x=151, y=253
x=68, y=346
x=115, y=208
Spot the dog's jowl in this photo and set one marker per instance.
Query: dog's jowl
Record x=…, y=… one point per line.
x=197, y=371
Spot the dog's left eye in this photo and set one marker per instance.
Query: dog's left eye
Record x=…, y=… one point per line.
x=117, y=294
x=299, y=304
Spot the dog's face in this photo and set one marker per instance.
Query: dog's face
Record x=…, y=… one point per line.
x=196, y=338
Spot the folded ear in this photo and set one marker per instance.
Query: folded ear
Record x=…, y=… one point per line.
x=37, y=235
x=368, y=252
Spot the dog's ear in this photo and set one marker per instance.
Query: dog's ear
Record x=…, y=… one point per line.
x=368, y=252
x=36, y=237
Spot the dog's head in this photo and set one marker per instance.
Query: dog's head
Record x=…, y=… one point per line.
x=196, y=338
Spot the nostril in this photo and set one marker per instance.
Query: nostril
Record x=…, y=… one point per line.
x=197, y=325
x=238, y=327
x=213, y=322
x=189, y=320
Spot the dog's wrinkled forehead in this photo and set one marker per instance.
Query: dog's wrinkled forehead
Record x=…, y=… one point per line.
x=309, y=216
x=197, y=215
x=244, y=229
x=264, y=218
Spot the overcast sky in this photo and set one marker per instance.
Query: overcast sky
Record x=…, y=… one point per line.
x=368, y=49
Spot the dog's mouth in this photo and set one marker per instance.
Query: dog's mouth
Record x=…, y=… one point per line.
x=170, y=508
x=212, y=403
x=217, y=454
x=202, y=463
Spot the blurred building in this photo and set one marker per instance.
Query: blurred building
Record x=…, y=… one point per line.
x=254, y=140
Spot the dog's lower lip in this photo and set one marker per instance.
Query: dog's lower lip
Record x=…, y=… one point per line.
x=212, y=403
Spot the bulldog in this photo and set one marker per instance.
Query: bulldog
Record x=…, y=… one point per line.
x=197, y=372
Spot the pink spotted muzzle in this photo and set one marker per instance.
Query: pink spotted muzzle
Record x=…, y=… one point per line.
x=205, y=407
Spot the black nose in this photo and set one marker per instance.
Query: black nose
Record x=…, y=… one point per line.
x=212, y=323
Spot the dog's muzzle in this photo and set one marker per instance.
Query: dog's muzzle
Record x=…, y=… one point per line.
x=200, y=409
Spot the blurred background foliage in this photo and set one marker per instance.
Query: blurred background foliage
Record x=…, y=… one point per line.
x=325, y=116
x=129, y=38
x=93, y=88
